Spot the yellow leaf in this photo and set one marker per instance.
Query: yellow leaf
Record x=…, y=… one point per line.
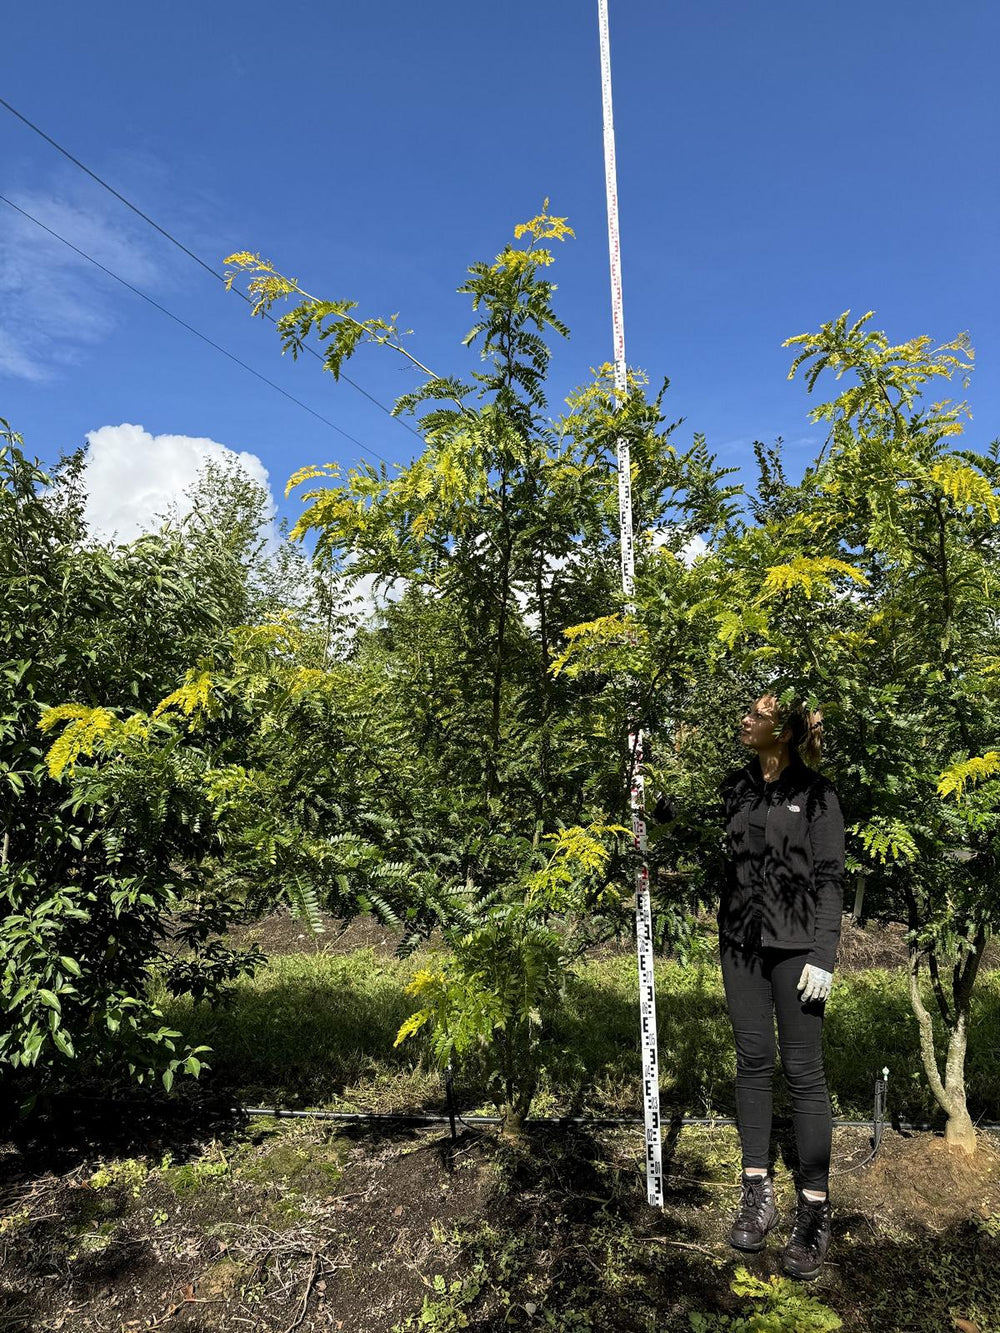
x=953, y=781
x=808, y=572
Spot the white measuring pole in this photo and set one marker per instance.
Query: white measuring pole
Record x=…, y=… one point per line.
x=643, y=914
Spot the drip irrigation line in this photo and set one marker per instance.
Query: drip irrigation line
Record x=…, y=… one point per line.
x=202, y=263
x=436, y=1118
x=190, y=327
x=469, y=1118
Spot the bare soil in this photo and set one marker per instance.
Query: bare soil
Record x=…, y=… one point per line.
x=183, y=1221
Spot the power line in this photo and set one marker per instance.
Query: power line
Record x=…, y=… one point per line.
x=190, y=328
x=221, y=277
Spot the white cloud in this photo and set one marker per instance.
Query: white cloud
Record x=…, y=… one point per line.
x=692, y=549
x=132, y=478
x=689, y=552
x=57, y=302
x=371, y=599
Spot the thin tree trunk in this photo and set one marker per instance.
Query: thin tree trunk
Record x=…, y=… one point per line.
x=949, y=1091
x=514, y=1112
x=498, y=674
x=959, y=1131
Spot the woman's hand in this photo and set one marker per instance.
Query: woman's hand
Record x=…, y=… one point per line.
x=814, y=983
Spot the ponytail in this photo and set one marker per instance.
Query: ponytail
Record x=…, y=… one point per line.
x=811, y=745
x=806, y=729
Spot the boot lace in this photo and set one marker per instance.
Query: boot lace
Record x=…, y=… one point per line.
x=809, y=1225
x=754, y=1201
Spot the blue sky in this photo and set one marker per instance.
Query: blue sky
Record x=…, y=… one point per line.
x=778, y=164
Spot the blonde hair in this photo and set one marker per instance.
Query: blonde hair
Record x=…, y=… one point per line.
x=805, y=726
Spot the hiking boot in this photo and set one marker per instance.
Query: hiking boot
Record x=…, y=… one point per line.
x=757, y=1214
x=810, y=1239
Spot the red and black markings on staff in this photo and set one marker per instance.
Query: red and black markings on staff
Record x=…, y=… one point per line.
x=643, y=914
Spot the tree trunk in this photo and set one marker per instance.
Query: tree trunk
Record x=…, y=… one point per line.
x=949, y=1091
x=514, y=1111
x=959, y=1131
x=517, y=1095
x=512, y=1119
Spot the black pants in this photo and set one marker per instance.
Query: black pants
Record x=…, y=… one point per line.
x=761, y=986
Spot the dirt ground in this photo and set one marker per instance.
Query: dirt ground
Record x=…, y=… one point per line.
x=125, y=1219
x=861, y=947
x=178, y=1215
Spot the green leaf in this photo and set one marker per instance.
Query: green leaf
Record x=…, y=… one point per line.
x=64, y=1042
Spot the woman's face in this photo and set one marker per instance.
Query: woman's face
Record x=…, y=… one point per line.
x=757, y=730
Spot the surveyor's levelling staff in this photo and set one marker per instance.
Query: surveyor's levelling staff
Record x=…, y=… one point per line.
x=779, y=926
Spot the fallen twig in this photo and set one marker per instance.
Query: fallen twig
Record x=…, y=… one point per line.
x=682, y=1245
x=303, y=1305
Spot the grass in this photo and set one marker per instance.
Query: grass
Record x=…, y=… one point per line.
x=317, y=1030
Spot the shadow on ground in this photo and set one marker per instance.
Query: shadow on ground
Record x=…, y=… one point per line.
x=267, y=1226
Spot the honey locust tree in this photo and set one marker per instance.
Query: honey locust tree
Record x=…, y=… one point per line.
x=872, y=588
x=497, y=539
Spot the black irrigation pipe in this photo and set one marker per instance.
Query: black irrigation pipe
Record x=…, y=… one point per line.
x=430, y=1118
x=452, y=1114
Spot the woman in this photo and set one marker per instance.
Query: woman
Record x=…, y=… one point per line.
x=779, y=926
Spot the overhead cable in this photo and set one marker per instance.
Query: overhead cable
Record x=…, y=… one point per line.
x=221, y=277
x=190, y=328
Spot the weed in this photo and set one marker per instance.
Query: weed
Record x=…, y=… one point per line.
x=188, y=1178
x=14, y=1222
x=130, y=1174
x=447, y=1310
x=784, y=1308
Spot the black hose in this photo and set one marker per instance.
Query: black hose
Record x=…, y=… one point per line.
x=430, y=1118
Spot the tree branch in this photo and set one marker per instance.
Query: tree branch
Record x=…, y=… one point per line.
x=926, y=1030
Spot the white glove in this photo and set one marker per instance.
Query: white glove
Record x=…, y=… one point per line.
x=814, y=983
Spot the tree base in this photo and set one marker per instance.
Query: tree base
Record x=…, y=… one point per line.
x=960, y=1133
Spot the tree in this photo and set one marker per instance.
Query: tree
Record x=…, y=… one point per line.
x=869, y=588
x=84, y=883
x=501, y=536
x=872, y=588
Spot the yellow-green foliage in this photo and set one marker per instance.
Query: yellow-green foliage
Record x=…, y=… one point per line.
x=513, y=262
x=129, y=1173
x=781, y=1307
x=445, y=483
x=953, y=781
x=609, y=643
x=195, y=698
x=903, y=368
x=266, y=286
x=965, y=487
x=808, y=573
x=429, y=983
x=577, y=853
x=544, y=227
x=88, y=729
x=886, y=839
x=735, y=625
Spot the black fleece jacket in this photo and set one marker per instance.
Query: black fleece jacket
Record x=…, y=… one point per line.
x=801, y=897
